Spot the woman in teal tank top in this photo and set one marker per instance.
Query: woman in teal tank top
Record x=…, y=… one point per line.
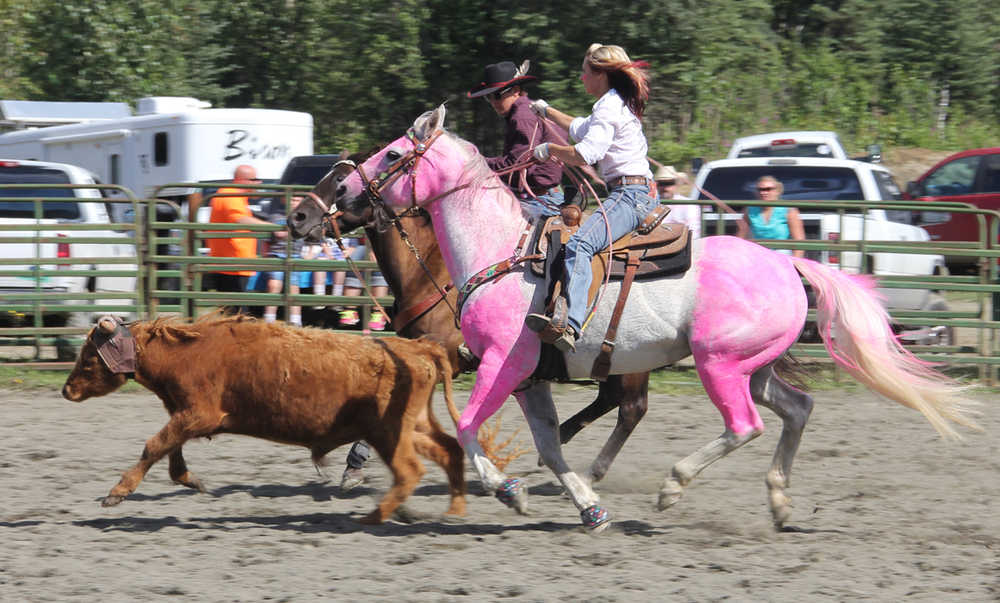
x=772, y=222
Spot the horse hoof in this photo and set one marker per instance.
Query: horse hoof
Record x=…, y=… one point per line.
x=111, y=500
x=352, y=478
x=781, y=509
x=670, y=494
x=595, y=518
x=513, y=494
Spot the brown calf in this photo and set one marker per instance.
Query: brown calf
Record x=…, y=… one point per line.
x=290, y=385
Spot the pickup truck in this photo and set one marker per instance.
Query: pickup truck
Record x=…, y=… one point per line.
x=82, y=206
x=797, y=143
x=821, y=179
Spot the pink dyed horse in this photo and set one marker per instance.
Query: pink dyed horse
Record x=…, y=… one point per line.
x=737, y=310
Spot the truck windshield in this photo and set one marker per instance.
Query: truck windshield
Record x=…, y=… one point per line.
x=802, y=183
x=24, y=174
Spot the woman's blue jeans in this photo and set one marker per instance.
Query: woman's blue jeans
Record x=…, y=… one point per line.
x=625, y=208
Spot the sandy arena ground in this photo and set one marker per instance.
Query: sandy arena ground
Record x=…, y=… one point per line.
x=884, y=511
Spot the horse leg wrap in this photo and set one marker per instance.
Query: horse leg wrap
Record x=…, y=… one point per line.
x=512, y=493
x=595, y=518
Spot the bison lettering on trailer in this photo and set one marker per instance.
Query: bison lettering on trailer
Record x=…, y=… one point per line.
x=289, y=385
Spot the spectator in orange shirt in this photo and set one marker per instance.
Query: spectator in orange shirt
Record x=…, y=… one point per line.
x=230, y=205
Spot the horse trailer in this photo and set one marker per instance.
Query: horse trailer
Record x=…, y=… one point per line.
x=168, y=140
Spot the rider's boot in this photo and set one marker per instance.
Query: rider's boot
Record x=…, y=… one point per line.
x=554, y=329
x=551, y=325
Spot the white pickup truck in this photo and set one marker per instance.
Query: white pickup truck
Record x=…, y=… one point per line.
x=824, y=179
x=16, y=207
x=798, y=143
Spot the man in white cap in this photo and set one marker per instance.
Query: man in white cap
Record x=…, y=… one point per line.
x=666, y=187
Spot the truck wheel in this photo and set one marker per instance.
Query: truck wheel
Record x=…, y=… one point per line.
x=942, y=335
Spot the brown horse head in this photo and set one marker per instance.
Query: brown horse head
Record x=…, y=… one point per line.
x=309, y=219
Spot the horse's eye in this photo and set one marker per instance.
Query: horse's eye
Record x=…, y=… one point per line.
x=393, y=155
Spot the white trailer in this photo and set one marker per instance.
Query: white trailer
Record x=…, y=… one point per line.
x=168, y=140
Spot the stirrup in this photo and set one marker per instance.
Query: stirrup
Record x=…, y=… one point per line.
x=537, y=322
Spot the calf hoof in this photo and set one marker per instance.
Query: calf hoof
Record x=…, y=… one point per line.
x=111, y=500
x=457, y=509
x=513, y=494
x=372, y=519
x=191, y=481
x=670, y=493
x=595, y=518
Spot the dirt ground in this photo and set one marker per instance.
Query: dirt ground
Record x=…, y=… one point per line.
x=884, y=510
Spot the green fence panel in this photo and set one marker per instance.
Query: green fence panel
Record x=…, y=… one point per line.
x=169, y=263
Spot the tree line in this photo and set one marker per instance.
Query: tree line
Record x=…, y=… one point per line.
x=897, y=72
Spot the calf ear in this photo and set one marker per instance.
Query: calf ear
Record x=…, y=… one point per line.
x=107, y=324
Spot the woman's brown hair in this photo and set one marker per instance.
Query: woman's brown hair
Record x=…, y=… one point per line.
x=627, y=77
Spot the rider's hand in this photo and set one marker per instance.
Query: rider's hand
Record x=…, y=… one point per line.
x=541, y=152
x=539, y=106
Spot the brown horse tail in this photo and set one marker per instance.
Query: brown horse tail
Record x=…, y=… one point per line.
x=444, y=376
x=790, y=370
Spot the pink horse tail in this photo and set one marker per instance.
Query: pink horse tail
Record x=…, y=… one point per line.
x=855, y=329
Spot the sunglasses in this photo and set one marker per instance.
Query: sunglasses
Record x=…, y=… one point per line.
x=666, y=183
x=495, y=96
x=764, y=189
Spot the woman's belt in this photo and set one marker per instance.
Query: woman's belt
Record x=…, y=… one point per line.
x=629, y=180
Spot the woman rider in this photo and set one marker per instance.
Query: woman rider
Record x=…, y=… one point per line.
x=611, y=136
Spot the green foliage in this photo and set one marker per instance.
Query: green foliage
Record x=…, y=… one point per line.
x=119, y=50
x=873, y=71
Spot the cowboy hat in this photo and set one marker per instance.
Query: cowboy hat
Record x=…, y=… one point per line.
x=498, y=76
x=667, y=172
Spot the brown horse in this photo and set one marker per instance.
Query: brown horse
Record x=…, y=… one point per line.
x=420, y=309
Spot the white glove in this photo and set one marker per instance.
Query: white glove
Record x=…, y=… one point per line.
x=541, y=152
x=539, y=106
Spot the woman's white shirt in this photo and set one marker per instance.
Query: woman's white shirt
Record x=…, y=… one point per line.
x=611, y=136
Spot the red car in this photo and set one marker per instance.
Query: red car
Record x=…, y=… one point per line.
x=967, y=177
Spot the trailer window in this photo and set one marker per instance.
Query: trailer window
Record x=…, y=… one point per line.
x=114, y=168
x=160, y=148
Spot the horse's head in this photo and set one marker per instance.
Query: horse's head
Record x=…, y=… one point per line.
x=308, y=220
x=412, y=171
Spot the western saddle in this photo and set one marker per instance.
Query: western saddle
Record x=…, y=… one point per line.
x=656, y=249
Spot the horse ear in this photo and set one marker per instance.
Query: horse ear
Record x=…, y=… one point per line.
x=428, y=123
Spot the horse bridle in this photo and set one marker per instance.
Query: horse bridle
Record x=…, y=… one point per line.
x=384, y=215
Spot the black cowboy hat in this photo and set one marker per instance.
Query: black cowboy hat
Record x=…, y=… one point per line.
x=500, y=76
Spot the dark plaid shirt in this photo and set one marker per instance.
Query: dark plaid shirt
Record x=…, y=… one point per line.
x=522, y=123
